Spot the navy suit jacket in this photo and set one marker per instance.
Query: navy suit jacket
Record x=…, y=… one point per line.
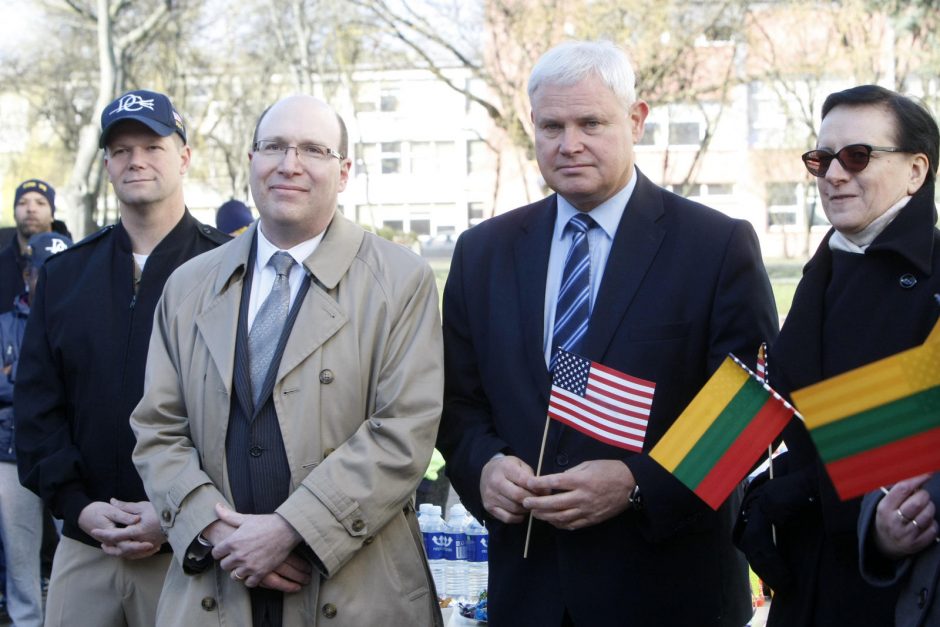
x=684, y=285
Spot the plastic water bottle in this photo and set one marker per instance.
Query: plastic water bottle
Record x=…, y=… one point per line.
x=435, y=539
x=455, y=552
x=478, y=542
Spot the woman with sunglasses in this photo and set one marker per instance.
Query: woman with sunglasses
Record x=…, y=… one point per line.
x=868, y=292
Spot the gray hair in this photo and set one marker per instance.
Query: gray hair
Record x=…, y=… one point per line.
x=571, y=62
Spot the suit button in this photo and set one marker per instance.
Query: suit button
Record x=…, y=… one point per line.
x=358, y=525
x=326, y=452
x=922, y=598
x=166, y=515
x=329, y=610
x=326, y=376
x=908, y=281
x=369, y=540
x=561, y=459
x=208, y=604
x=255, y=451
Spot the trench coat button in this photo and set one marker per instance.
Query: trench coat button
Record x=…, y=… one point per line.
x=208, y=604
x=369, y=540
x=561, y=459
x=326, y=452
x=326, y=376
x=166, y=515
x=922, y=598
x=329, y=610
x=255, y=451
x=908, y=281
x=358, y=525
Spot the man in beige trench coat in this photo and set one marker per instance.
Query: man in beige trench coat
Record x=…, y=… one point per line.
x=286, y=498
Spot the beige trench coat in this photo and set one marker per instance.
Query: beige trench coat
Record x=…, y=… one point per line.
x=358, y=399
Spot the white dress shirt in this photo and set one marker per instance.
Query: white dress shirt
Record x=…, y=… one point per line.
x=607, y=215
x=264, y=274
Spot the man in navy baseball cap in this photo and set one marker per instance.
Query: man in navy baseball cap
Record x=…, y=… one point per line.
x=95, y=306
x=147, y=107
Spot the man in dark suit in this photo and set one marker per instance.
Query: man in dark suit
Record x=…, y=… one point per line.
x=669, y=288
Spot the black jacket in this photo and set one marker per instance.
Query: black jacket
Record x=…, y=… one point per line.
x=849, y=310
x=12, y=264
x=81, y=369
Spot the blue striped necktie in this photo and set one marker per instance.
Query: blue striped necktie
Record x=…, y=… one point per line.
x=574, y=297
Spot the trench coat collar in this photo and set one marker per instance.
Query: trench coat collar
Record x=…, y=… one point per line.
x=327, y=264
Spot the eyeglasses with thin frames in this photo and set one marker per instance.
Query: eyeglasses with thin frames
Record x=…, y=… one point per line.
x=854, y=158
x=305, y=152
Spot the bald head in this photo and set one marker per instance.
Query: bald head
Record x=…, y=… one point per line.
x=294, y=181
x=342, y=146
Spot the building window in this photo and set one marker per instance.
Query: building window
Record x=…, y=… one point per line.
x=684, y=133
x=649, y=134
x=388, y=100
x=478, y=156
x=391, y=157
x=720, y=189
x=431, y=158
x=395, y=225
x=782, y=204
x=420, y=226
x=475, y=212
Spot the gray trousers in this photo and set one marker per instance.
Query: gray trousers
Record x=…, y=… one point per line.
x=21, y=529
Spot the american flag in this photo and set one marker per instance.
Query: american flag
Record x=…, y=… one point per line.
x=762, y=362
x=601, y=402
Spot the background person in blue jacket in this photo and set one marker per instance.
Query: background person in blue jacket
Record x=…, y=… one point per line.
x=20, y=509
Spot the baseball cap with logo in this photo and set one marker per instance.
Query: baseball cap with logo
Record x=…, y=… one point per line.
x=147, y=107
x=44, y=245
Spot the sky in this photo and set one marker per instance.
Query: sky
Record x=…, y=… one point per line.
x=20, y=21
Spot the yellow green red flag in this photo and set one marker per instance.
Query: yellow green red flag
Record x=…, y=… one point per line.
x=721, y=434
x=879, y=423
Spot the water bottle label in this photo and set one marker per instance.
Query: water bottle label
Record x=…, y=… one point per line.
x=477, y=548
x=456, y=547
x=436, y=544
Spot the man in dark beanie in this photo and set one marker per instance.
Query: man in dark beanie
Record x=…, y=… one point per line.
x=33, y=211
x=233, y=217
x=81, y=372
x=21, y=519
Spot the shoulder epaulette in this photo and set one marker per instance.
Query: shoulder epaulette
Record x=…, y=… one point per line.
x=213, y=234
x=93, y=237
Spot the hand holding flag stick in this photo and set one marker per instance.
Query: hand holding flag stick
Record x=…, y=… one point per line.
x=598, y=401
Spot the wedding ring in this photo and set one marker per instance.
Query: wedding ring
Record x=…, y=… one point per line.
x=236, y=576
x=914, y=522
x=903, y=517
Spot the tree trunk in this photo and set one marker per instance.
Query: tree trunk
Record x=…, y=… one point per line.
x=83, y=185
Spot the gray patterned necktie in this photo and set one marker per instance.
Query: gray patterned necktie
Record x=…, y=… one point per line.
x=269, y=322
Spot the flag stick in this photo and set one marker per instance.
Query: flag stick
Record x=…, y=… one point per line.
x=538, y=472
x=770, y=468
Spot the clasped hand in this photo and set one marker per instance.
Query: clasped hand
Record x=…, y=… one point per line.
x=584, y=495
x=128, y=530
x=257, y=550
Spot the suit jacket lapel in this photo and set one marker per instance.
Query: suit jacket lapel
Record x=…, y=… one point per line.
x=531, y=252
x=635, y=245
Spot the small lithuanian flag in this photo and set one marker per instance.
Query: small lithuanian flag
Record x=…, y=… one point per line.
x=721, y=434
x=880, y=423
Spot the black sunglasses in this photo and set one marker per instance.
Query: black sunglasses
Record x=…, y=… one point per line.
x=854, y=158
